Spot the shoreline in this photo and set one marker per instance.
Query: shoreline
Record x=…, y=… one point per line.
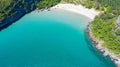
x=79, y=9
x=91, y=14
x=104, y=50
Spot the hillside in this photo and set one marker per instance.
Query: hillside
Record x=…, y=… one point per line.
x=12, y=10
x=104, y=27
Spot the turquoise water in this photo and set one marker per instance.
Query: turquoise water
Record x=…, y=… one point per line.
x=49, y=39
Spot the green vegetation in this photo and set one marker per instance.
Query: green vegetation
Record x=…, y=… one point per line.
x=114, y=4
x=10, y=8
x=104, y=25
x=3, y=6
x=104, y=30
x=117, y=32
x=74, y=1
x=46, y=3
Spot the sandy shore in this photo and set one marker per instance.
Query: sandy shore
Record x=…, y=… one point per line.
x=90, y=13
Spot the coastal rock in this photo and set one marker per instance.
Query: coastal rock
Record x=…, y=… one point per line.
x=99, y=46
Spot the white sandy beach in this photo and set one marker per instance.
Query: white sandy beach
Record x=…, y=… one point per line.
x=90, y=13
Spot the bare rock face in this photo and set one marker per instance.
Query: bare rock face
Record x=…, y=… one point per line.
x=118, y=20
x=116, y=31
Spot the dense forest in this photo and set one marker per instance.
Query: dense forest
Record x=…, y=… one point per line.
x=104, y=27
x=12, y=10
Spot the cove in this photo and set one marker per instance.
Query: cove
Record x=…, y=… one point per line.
x=54, y=38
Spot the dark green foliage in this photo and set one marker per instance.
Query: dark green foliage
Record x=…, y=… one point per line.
x=103, y=26
x=3, y=11
x=103, y=29
x=114, y=4
x=118, y=32
x=88, y=5
x=107, y=16
x=9, y=8
x=46, y=3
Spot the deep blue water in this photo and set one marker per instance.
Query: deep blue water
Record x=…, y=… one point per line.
x=49, y=39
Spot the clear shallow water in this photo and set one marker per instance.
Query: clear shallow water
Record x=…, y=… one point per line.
x=49, y=39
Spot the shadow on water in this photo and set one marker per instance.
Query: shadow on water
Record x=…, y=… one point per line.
x=20, y=12
x=17, y=11
x=97, y=53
